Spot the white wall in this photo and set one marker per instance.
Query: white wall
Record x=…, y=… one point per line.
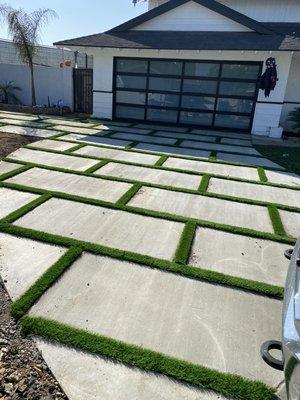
x=191, y=17
x=292, y=95
x=56, y=83
x=261, y=10
x=267, y=113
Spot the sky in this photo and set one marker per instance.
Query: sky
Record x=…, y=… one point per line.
x=78, y=17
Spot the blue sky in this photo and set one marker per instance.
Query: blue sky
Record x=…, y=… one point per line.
x=79, y=17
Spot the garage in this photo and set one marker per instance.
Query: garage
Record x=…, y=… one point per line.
x=209, y=94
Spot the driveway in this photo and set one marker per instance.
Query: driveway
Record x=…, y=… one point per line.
x=158, y=248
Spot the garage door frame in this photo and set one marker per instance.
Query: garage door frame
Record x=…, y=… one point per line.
x=183, y=76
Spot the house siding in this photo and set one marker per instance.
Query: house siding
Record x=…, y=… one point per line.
x=268, y=112
x=192, y=17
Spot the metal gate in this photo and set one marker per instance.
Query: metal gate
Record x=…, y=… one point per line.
x=83, y=90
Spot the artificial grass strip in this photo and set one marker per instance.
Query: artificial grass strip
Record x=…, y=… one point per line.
x=204, y=183
x=74, y=148
x=184, y=247
x=25, y=209
x=262, y=174
x=97, y=166
x=131, y=145
x=229, y=385
x=187, y=271
x=22, y=305
x=129, y=194
x=276, y=221
x=14, y=172
x=161, y=160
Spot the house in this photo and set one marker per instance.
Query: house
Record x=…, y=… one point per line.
x=198, y=63
x=54, y=78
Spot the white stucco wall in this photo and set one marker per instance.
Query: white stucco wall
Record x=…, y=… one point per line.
x=191, y=17
x=266, y=10
x=267, y=113
x=292, y=95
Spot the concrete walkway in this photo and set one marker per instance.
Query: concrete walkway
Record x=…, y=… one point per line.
x=128, y=195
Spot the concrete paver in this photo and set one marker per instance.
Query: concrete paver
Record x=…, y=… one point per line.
x=238, y=142
x=176, y=179
x=85, y=186
x=23, y=261
x=72, y=184
x=283, y=178
x=291, y=222
x=54, y=160
x=21, y=117
x=233, y=135
x=213, y=168
x=184, y=136
x=129, y=302
x=113, y=228
x=162, y=128
x=52, y=145
x=252, y=191
x=74, y=129
x=205, y=208
x=27, y=131
x=28, y=124
x=241, y=256
x=8, y=167
x=11, y=200
x=244, y=159
x=172, y=150
x=132, y=130
x=143, y=138
x=86, y=376
x=220, y=147
x=116, y=154
x=67, y=122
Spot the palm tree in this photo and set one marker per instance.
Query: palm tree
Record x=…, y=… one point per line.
x=7, y=90
x=24, y=29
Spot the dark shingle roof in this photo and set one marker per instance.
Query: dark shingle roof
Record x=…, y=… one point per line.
x=183, y=40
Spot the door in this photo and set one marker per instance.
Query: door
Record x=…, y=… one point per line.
x=209, y=94
x=83, y=90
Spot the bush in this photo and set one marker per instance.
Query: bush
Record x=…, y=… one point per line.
x=294, y=116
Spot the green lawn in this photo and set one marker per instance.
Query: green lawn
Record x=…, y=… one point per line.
x=287, y=157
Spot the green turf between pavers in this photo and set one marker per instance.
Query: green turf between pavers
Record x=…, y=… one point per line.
x=229, y=385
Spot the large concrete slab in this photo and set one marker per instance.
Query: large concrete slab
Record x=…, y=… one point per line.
x=183, y=135
x=73, y=184
x=8, y=167
x=248, y=160
x=219, y=147
x=52, y=159
x=237, y=142
x=120, y=155
x=252, y=191
x=27, y=124
x=21, y=117
x=112, y=228
x=52, y=145
x=95, y=140
x=23, y=261
x=222, y=134
x=26, y=131
x=74, y=129
x=143, y=138
x=68, y=122
x=161, y=128
x=212, y=168
x=173, y=150
x=205, y=208
x=136, y=131
x=242, y=256
x=283, y=178
x=85, y=376
x=11, y=200
x=291, y=223
x=152, y=175
x=180, y=317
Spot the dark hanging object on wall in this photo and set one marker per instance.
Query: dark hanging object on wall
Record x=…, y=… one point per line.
x=269, y=78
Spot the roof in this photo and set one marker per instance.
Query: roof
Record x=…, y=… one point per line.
x=264, y=36
x=183, y=40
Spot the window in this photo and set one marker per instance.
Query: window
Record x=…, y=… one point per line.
x=131, y=97
x=163, y=100
x=199, y=86
x=198, y=102
x=129, y=65
x=235, y=105
x=232, y=121
x=240, y=71
x=238, y=88
x=131, y=82
x=162, y=115
x=196, y=118
x=166, y=67
x=130, y=112
x=202, y=69
x=166, y=84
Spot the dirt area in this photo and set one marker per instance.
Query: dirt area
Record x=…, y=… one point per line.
x=10, y=142
x=23, y=373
